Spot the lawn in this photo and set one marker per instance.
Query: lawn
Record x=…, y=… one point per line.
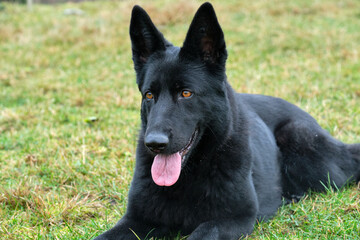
x=69, y=105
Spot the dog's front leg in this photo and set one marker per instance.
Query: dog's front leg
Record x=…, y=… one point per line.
x=224, y=229
x=129, y=229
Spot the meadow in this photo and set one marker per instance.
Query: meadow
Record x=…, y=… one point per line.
x=69, y=105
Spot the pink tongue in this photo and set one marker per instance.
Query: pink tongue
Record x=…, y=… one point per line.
x=165, y=169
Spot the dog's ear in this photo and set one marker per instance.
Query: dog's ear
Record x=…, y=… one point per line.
x=205, y=38
x=145, y=38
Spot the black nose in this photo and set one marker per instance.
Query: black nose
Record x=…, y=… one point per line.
x=156, y=142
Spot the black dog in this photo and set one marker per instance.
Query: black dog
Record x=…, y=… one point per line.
x=210, y=162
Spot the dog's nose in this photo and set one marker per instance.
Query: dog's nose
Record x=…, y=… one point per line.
x=156, y=142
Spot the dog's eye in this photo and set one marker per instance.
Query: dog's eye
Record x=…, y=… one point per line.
x=186, y=94
x=149, y=95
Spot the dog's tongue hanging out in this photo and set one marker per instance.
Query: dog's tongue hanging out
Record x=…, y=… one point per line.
x=166, y=169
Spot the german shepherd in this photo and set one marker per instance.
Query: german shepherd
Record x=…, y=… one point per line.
x=211, y=162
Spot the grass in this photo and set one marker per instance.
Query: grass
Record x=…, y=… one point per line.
x=69, y=106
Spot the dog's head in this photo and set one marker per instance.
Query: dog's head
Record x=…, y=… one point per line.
x=183, y=88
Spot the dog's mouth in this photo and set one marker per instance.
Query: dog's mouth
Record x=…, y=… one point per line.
x=183, y=152
x=165, y=170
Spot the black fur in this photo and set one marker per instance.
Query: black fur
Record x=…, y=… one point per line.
x=246, y=151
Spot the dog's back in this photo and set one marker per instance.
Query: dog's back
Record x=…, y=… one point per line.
x=310, y=158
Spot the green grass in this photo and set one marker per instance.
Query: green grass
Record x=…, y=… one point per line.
x=69, y=106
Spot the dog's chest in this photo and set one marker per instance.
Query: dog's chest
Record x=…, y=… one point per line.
x=188, y=206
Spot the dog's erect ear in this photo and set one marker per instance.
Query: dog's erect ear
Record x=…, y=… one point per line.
x=205, y=38
x=145, y=38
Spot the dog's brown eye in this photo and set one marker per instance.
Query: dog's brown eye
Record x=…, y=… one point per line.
x=149, y=96
x=186, y=94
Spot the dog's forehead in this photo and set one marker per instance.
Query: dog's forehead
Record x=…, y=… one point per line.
x=167, y=70
x=166, y=66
